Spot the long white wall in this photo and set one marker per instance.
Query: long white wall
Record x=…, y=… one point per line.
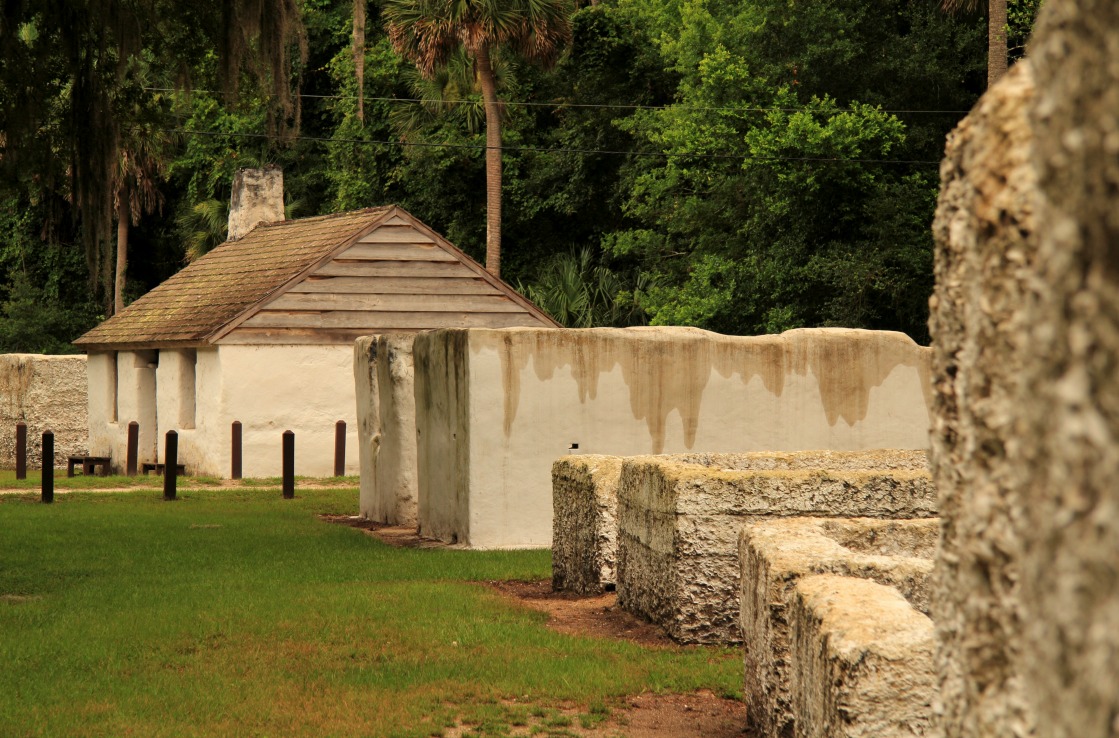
x=269, y=389
x=495, y=408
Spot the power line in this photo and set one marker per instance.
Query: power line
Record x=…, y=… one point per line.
x=533, y=149
x=617, y=106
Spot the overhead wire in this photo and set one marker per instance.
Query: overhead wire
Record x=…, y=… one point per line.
x=619, y=106
x=534, y=149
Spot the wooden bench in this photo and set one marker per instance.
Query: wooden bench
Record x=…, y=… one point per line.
x=158, y=469
x=88, y=464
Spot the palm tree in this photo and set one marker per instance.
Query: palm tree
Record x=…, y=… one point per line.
x=141, y=165
x=428, y=32
x=996, y=34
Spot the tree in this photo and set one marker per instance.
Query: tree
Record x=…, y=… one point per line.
x=62, y=64
x=429, y=32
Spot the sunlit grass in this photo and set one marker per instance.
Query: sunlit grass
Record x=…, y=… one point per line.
x=234, y=612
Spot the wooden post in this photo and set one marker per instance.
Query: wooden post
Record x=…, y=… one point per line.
x=289, y=465
x=21, y=450
x=340, y=448
x=48, y=467
x=170, y=465
x=133, y=449
x=235, y=452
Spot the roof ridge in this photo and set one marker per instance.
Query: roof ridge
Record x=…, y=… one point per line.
x=326, y=216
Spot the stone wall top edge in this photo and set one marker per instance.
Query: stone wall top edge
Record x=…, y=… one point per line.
x=647, y=333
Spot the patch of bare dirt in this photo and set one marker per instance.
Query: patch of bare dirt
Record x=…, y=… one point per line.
x=597, y=616
x=698, y=715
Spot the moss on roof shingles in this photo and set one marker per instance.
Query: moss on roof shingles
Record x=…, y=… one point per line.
x=218, y=287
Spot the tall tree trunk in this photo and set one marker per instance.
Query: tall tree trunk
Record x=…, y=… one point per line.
x=123, y=216
x=996, y=41
x=493, y=162
x=359, y=56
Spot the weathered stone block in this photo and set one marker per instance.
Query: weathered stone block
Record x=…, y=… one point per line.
x=984, y=231
x=46, y=392
x=585, y=489
x=774, y=555
x=584, y=528
x=862, y=661
x=678, y=531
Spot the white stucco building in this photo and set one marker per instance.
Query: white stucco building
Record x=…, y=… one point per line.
x=261, y=331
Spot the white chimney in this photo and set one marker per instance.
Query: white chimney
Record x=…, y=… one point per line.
x=258, y=197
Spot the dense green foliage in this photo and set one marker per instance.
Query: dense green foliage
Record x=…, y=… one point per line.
x=237, y=613
x=744, y=167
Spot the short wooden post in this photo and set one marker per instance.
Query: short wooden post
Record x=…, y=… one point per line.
x=133, y=449
x=340, y=448
x=170, y=465
x=289, y=465
x=48, y=467
x=21, y=450
x=235, y=452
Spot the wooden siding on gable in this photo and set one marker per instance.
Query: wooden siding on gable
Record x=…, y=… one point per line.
x=394, y=279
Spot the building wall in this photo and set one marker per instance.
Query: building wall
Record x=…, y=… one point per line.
x=45, y=392
x=386, y=409
x=495, y=408
x=121, y=390
x=269, y=389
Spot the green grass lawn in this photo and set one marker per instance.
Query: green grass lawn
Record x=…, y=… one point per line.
x=237, y=613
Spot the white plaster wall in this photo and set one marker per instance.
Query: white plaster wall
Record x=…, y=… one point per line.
x=101, y=376
x=175, y=405
x=270, y=389
x=386, y=408
x=370, y=504
x=136, y=400
x=532, y=393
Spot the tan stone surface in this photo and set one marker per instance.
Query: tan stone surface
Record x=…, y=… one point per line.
x=678, y=530
x=1069, y=408
x=775, y=554
x=584, y=492
x=984, y=231
x=46, y=392
x=584, y=524
x=862, y=661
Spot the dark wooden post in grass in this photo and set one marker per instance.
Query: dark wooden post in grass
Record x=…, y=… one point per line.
x=133, y=449
x=48, y=467
x=340, y=448
x=289, y=465
x=170, y=465
x=21, y=450
x=235, y=452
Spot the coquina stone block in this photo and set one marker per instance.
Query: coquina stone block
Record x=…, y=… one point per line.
x=862, y=660
x=585, y=495
x=985, y=234
x=46, y=393
x=584, y=527
x=679, y=523
x=776, y=554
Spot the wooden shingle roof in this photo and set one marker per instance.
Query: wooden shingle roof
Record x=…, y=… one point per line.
x=240, y=290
